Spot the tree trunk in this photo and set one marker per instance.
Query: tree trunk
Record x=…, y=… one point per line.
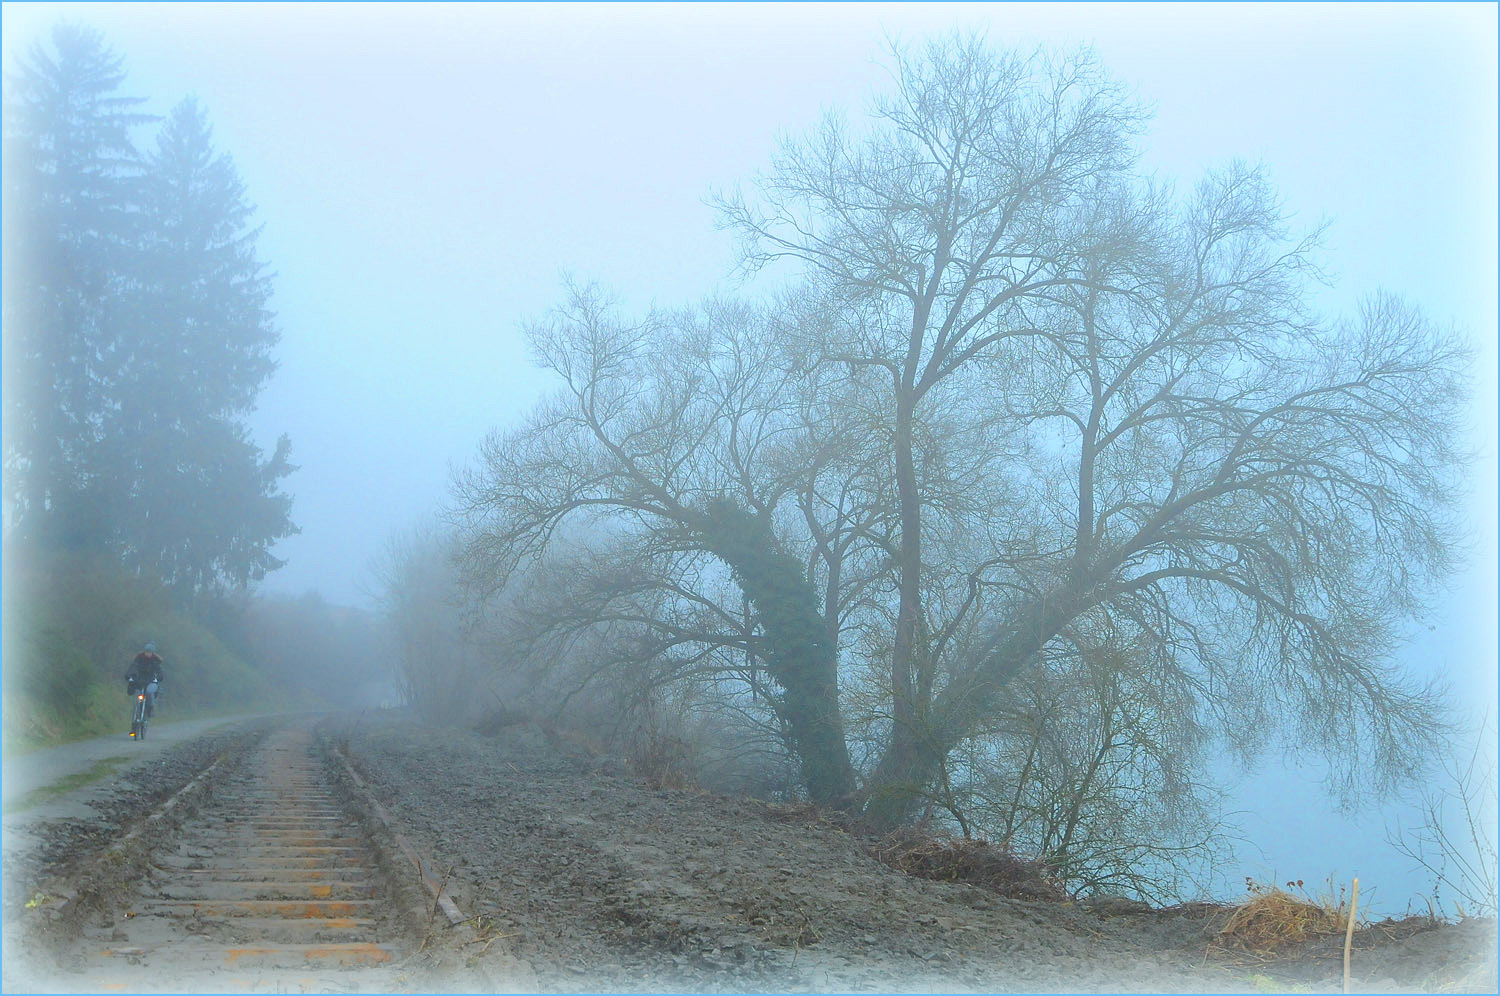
x=802, y=660
x=907, y=712
x=902, y=779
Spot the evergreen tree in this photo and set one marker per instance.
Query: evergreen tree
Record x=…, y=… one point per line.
x=137, y=332
x=71, y=173
x=199, y=504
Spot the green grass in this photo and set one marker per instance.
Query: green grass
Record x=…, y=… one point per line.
x=98, y=770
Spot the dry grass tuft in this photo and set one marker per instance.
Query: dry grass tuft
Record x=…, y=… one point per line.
x=1272, y=921
x=976, y=862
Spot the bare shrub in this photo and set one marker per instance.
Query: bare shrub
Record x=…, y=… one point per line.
x=661, y=759
x=1456, y=842
x=436, y=665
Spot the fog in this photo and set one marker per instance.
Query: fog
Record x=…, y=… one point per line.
x=427, y=175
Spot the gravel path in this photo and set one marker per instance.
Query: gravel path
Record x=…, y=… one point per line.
x=26, y=779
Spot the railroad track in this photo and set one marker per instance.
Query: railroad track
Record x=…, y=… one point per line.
x=271, y=886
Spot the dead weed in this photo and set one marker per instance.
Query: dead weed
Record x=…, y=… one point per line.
x=1273, y=921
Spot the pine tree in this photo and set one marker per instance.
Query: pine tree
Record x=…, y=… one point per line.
x=200, y=503
x=71, y=173
x=137, y=332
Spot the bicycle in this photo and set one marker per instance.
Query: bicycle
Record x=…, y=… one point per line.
x=138, y=718
x=146, y=697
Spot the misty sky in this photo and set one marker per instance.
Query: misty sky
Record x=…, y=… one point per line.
x=427, y=173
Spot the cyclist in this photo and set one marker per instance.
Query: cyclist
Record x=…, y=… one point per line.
x=145, y=674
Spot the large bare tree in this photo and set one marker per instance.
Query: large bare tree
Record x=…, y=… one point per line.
x=1258, y=497
x=1034, y=416
x=937, y=228
x=1258, y=492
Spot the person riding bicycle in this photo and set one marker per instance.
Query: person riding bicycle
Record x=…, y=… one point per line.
x=145, y=675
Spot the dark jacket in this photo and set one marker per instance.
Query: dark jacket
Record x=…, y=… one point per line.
x=144, y=669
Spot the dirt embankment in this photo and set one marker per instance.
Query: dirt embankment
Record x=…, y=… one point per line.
x=577, y=877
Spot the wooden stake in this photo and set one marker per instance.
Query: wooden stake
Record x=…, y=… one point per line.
x=1349, y=932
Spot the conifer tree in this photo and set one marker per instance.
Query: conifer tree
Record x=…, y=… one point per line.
x=199, y=502
x=138, y=332
x=71, y=174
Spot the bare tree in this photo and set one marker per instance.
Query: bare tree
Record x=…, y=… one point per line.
x=1089, y=770
x=652, y=652
x=684, y=426
x=936, y=229
x=1261, y=495
x=1038, y=434
x=437, y=666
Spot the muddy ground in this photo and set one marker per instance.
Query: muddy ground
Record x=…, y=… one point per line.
x=576, y=876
